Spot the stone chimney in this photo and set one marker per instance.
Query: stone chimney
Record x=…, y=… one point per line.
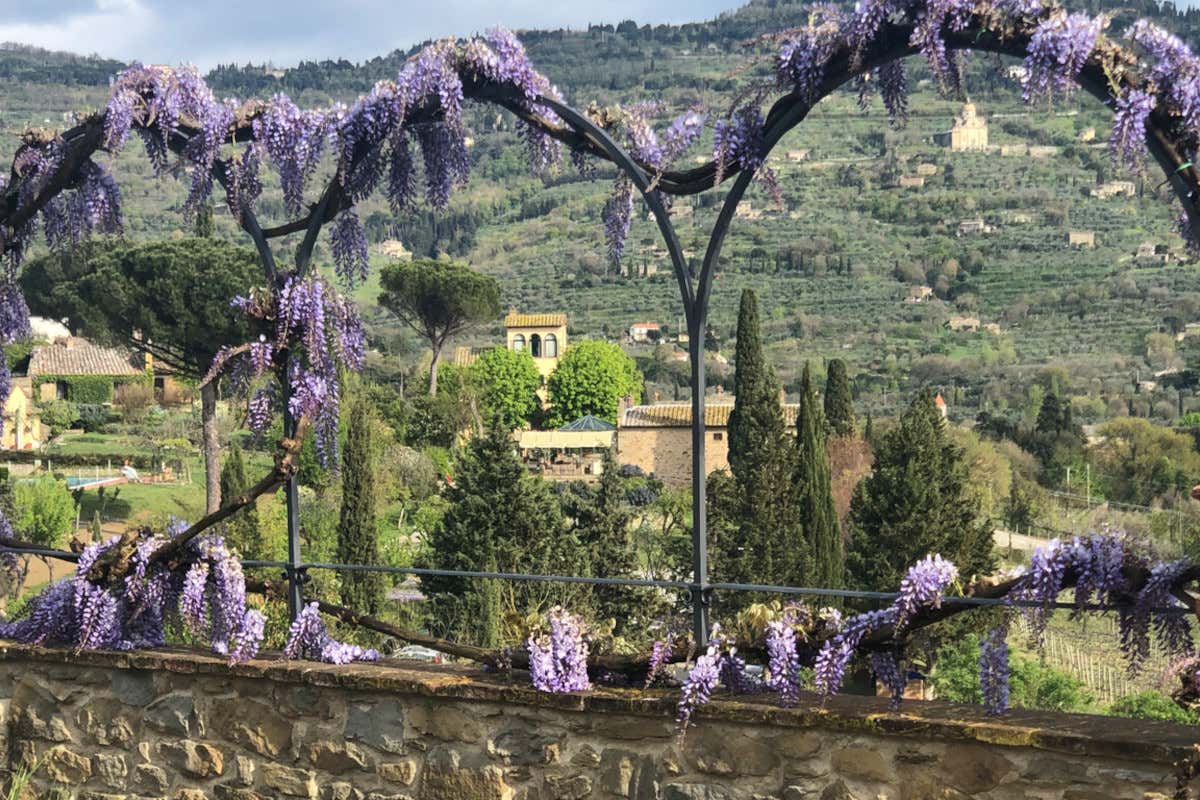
x=623, y=405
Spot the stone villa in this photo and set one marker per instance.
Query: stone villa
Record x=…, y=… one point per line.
x=658, y=437
x=969, y=132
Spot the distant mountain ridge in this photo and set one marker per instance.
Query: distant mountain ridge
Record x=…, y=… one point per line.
x=341, y=77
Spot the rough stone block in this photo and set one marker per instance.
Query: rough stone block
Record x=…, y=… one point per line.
x=150, y=778
x=568, y=787
x=403, y=772
x=380, y=725
x=336, y=759
x=134, y=687
x=452, y=775
x=289, y=781
x=973, y=769
x=174, y=714
x=111, y=768
x=697, y=791
x=196, y=759
x=253, y=725
x=861, y=763
x=717, y=751
x=340, y=791
x=66, y=766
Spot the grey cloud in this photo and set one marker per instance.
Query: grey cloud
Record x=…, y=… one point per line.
x=287, y=31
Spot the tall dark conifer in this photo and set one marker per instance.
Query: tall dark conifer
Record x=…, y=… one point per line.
x=916, y=501
x=357, y=533
x=813, y=478
x=499, y=518
x=760, y=540
x=756, y=426
x=839, y=405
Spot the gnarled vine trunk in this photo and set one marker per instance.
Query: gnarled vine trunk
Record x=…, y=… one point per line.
x=212, y=447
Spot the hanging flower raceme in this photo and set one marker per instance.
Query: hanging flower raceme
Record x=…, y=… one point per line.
x=783, y=663
x=309, y=638
x=161, y=102
x=558, y=657
x=1058, y=50
x=321, y=331
x=994, y=671
x=801, y=60
x=208, y=597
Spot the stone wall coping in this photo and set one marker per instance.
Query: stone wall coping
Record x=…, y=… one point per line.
x=1076, y=734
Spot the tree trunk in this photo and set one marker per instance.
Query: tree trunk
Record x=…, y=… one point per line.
x=212, y=447
x=433, y=370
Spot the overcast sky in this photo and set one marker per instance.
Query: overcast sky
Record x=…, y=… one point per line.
x=208, y=32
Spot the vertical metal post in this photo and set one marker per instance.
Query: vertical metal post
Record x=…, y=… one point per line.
x=700, y=591
x=291, y=488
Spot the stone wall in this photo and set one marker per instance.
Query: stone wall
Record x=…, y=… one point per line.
x=177, y=725
x=667, y=451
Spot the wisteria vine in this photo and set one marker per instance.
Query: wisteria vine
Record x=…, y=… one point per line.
x=1104, y=569
x=205, y=598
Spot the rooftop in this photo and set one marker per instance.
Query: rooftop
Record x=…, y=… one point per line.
x=76, y=356
x=589, y=423
x=515, y=320
x=679, y=415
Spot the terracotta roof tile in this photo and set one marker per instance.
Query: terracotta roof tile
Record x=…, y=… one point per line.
x=515, y=320
x=75, y=356
x=679, y=415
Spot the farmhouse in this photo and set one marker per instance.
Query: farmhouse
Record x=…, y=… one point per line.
x=912, y=182
x=75, y=369
x=22, y=425
x=645, y=332
x=658, y=437
x=918, y=294
x=1081, y=238
x=1114, y=189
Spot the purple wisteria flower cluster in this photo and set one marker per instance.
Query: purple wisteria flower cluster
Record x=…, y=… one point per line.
x=783, y=662
x=558, y=656
x=652, y=151
x=208, y=599
x=923, y=587
x=322, y=328
x=308, y=638
x=719, y=665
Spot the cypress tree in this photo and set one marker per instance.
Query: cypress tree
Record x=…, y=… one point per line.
x=762, y=541
x=602, y=524
x=813, y=480
x=498, y=518
x=839, y=406
x=756, y=427
x=915, y=502
x=242, y=531
x=357, y=533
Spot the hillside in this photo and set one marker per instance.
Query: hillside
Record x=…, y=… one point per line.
x=833, y=266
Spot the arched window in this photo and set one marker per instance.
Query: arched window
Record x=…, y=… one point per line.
x=551, y=346
x=518, y=343
x=535, y=346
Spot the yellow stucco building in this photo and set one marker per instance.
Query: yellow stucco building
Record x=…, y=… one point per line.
x=22, y=427
x=543, y=336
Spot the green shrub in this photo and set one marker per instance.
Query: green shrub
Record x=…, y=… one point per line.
x=1031, y=685
x=1152, y=705
x=58, y=415
x=45, y=511
x=93, y=417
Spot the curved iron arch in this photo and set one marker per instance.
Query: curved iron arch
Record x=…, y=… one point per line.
x=893, y=43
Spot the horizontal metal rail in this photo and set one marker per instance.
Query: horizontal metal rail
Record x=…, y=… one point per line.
x=811, y=591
